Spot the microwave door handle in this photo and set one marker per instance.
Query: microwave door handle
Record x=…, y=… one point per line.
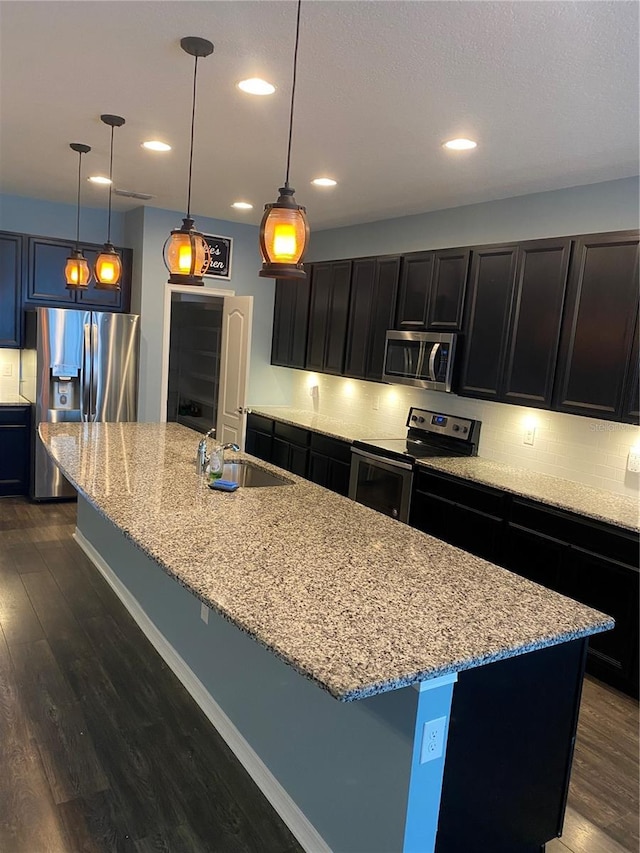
x=420, y=366
x=432, y=362
x=85, y=375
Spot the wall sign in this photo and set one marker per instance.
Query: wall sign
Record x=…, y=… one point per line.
x=221, y=249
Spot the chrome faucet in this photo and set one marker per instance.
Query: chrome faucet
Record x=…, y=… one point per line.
x=203, y=458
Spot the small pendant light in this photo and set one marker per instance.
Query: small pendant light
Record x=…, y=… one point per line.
x=76, y=271
x=186, y=252
x=284, y=230
x=108, y=266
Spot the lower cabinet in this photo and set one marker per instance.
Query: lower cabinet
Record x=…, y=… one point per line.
x=589, y=561
x=316, y=457
x=14, y=449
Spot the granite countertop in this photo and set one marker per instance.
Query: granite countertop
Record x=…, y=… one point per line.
x=13, y=400
x=353, y=600
x=564, y=494
x=593, y=503
x=323, y=424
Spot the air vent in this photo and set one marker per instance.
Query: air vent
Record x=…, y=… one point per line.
x=132, y=194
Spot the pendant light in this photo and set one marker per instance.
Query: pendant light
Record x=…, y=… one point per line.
x=284, y=230
x=108, y=266
x=76, y=271
x=186, y=252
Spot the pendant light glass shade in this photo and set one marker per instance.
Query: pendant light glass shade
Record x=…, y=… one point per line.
x=77, y=273
x=284, y=235
x=284, y=230
x=186, y=252
x=108, y=265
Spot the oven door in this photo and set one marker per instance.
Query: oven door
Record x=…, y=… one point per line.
x=380, y=483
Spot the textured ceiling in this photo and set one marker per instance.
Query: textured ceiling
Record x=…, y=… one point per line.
x=548, y=89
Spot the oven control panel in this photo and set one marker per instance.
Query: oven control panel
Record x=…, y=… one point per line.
x=440, y=424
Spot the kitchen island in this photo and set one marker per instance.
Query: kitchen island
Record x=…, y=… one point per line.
x=388, y=692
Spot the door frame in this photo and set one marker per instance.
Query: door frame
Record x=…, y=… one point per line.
x=205, y=293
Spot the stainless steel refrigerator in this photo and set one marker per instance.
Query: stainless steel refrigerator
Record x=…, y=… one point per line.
x=77, y=366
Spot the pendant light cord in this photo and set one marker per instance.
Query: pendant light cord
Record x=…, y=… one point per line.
x=293, y=92
x=78, y=203
x=110, y=188
x=193, y=123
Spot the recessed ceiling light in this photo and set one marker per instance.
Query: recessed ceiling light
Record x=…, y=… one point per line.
x=242, y=205
x=99, y=179
x=460, y=144
x=324, y=182
x=156, y=145
x=256, y=86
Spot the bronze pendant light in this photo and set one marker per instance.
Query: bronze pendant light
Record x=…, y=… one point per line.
x=108, y=265
x=186, y=252
x=76, y=271
x=284, y=230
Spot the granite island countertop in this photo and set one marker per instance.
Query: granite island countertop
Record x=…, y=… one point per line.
x=351, y=599
x=598, y=504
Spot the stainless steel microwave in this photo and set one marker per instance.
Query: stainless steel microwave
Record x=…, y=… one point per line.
x=422, y=359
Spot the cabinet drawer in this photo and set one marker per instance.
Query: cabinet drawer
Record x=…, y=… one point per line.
x=259, y=423
x=292, y=434
x=332, y=447
x=481, y=498
x=611, y=542
x=14, y=415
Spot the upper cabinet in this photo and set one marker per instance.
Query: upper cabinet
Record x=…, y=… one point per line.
x=328, y=313
x=10, y=289
x=513, y=321
x=45, y=282
x=374, y=287
x=432, y=289
x=290, y=321
x=599, y=328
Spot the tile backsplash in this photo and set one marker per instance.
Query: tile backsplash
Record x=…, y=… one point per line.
x=9, y=372
x=584, y=450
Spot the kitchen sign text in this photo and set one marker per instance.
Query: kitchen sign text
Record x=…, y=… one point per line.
x=220, y=249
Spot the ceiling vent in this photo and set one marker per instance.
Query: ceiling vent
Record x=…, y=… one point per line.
x=132, y=194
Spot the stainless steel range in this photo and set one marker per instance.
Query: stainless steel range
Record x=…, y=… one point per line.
x=382, y=469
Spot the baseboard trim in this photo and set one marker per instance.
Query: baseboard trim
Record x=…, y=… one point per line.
x=293, y=817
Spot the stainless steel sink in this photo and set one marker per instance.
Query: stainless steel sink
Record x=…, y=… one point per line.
x=251, y=476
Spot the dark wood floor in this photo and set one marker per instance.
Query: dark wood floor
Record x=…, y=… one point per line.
x=102, y=749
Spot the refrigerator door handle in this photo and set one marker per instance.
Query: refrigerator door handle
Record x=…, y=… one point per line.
x=94, y=372
x=85, y=377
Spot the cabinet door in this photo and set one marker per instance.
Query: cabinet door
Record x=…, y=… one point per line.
x=631, y=410
x=534, y=556
x=319, y=468
x=318, y=315
x=383, y=313
x=448, y=285
x=14, y=450
x=363, y=279
x=280, y=453
x=598, y=326
x=491, y=286
x=290, y=322
x=10, y=289
x=45, y=272
x=534, y=327
x=413, y=294
x=337, y=318
x=259, y=437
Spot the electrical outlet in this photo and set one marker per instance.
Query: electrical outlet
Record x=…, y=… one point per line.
x=432, y=740
x=314, y=391
x=7, y=369
x=633, y=462
x=376, y=404
x=529, y=436
x=204, y=613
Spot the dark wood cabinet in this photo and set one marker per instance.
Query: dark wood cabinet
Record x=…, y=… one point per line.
x=328, y=313
x=290, y=321
x=11, y=251
x=15, y=448
x=259, y=438
x=447, y=292
x=631, y=408
x=45, y=282
x=329, y=463
x=374, y=286
x=491, y=281
x=598, y=327
x=290, y=448
x=513, y=321
x=413, y=294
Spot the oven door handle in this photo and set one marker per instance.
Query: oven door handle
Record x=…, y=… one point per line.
x=406, y=466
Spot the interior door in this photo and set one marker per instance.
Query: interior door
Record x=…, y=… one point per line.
x=234, y=368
